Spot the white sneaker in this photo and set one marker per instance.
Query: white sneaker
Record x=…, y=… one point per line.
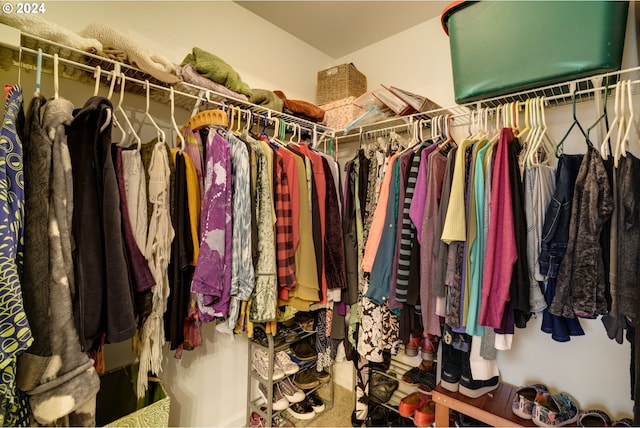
x=260, y=364
x=290, y=391
x=280, y=402
x=284, y=361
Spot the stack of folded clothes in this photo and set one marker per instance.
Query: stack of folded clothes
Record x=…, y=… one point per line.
x=217, y=70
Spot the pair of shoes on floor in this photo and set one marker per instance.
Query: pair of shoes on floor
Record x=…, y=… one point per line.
x=599, y=418
x=285, y=394
x=288, y=334
x=423, y=376
x=306, y=321
x=535, y=402
x=411, y=402
x=282, y=365
x=427, y=344
x=381, y=387
x=307, y=408
x=419, y=406
x=260, y=337
x=276, y=420
x=425, y=416
x=304, y=350
x=311, y=378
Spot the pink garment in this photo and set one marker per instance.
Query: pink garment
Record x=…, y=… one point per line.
x=377, y=223
x=416, y=210
x=501, y=244
x=437, y=165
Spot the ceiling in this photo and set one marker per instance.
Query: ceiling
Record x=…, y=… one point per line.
x=341, y=27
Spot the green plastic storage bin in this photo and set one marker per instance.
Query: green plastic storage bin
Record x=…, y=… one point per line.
x=500, y=47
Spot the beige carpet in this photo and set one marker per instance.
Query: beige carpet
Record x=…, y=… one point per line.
x=340, y=414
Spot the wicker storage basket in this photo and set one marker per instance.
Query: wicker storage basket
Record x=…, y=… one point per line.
x=340, y=82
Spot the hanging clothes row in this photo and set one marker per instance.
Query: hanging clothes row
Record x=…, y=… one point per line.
x=144, y=241
x=472, y=238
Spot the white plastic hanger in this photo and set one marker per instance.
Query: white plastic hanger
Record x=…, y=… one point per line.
x=547, y=144
x=621, y=123
x=124, y=114
x=536, y=129
x=173, y=120
x=631, y=122
x=527, y=124
x=496, y=131
x=604, y=147
x=107, y=121
x=247, y=129
x=114, y=118
x=542, y=136
x=294, y=127
x=159, y=131
x=97, y=74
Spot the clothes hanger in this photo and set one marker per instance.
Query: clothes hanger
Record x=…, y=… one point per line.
x=515, y=113
x=114, y=118
x=124, y=114
x=605, y=147
x=575, y=122
x=173, y=120
x=97, y=74
x=295, y=126
x=20, y=66
x=532, y=118
x=231, y=117
x=496, y=131
x=543, y=138
x=233, y=111
x=448, y=143
x=631, y=122
x=247, y=128
x=505, y=115
x=603, y=115
x=621, y=123
x=527, y=124
x=56, y=82
x=196, y=107
x=38, y=71
x=207, y=118
x=162, y=137
x=283, y=132
x=238, y=131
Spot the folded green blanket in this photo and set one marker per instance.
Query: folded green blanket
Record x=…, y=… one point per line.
x=214, y=68
x=267, y=99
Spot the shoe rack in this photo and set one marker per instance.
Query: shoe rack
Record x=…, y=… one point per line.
x=255, y=401
x=399, y=365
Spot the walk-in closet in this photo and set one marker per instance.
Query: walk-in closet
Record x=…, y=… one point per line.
x=311, y=213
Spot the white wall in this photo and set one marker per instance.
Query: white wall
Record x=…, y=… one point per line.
x=592, y=368
x=264, y=55
x=417, y=60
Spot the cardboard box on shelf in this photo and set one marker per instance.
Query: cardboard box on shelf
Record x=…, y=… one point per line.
x=340, y=113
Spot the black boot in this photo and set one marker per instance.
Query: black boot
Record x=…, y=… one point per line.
x=451, y=362
x=474, y=388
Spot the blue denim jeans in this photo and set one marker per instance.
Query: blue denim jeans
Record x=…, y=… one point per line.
x=555, y=232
